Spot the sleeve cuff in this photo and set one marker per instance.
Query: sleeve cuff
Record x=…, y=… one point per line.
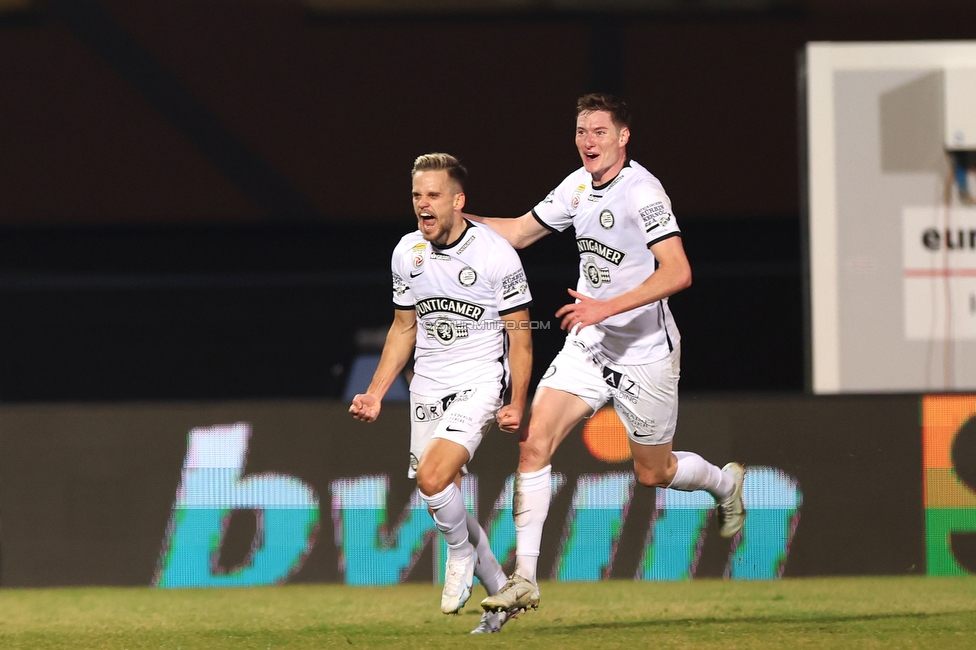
x=512, y=310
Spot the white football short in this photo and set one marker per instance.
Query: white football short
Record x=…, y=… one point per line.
x=645, y=396
x=461, y=416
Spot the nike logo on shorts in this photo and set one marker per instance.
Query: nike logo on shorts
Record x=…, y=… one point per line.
x=454, y=430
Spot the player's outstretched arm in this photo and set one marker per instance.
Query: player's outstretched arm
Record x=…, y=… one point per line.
x=672, y=275
x=400, y=342
x=520, y=231
x=520, y=362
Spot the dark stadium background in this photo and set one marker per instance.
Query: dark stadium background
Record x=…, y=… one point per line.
x=198, y=202
x=198, y=198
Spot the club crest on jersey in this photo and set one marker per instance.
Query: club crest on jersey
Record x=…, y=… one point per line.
x=606, y=219
x=576, y=195
x=467, y=276
x=595, y=275
x=590, y=245
x=417, y=254
x=445, y=330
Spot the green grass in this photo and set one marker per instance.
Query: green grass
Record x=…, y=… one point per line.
x=911, y=612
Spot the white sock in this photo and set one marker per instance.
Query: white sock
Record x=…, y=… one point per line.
x=533, y=494
x=488, y=570
x=696, y=473
x=450, y=517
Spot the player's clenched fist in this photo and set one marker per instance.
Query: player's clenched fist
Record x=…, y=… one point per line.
x=365, y=407
x=509, y=418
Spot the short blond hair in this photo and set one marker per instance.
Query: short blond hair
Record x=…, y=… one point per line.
x=432, y=162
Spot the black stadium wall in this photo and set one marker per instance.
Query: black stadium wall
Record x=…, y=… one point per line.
x=263, y=492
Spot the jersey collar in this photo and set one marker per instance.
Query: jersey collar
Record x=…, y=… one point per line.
x=597, y=188
x=467, y=225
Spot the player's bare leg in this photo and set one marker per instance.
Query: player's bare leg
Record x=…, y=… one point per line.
x=554, y=414
x=658, y=466
x=436, y=473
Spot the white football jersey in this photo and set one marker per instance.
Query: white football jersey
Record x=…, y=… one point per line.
x=459, y=293
x=616, y=223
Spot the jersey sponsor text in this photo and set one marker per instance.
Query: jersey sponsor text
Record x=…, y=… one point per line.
x=451, y=306
x=590, y=245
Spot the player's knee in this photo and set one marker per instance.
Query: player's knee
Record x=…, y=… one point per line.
x=430, y=483
x=536, y=449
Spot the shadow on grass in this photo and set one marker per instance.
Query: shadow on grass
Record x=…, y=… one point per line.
x=747, y=620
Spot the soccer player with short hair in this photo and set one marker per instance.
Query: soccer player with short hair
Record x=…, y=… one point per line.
x=462, y=309
x=622, y=343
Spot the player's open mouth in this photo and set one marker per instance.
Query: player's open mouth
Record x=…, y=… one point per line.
x=428, y=219
x=592, y=156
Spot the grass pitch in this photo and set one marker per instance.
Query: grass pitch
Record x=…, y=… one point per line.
x=906, y=612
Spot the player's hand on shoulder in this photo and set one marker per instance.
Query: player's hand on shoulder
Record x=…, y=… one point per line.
x=509, y=418
x=365, y=407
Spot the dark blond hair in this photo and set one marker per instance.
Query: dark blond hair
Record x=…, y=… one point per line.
x=619, y=112
x=432, y=162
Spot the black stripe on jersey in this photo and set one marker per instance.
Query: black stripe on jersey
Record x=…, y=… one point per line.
x=660, y=239
x=664, y=326
x=544, y=224
x=405, y=307
x=501, y=360
x=511, y=310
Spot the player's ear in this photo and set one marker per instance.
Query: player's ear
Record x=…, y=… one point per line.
x=624, y=136
x=459, y=201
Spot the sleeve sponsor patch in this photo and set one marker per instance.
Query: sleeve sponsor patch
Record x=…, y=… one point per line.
x=399, y=285
x=655, y=215
x=514, y=284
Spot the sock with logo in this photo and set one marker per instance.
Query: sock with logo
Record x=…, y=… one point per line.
x=696, y=473
x=530, y=507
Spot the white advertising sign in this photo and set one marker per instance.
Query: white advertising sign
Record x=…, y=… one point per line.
x=939, y=253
